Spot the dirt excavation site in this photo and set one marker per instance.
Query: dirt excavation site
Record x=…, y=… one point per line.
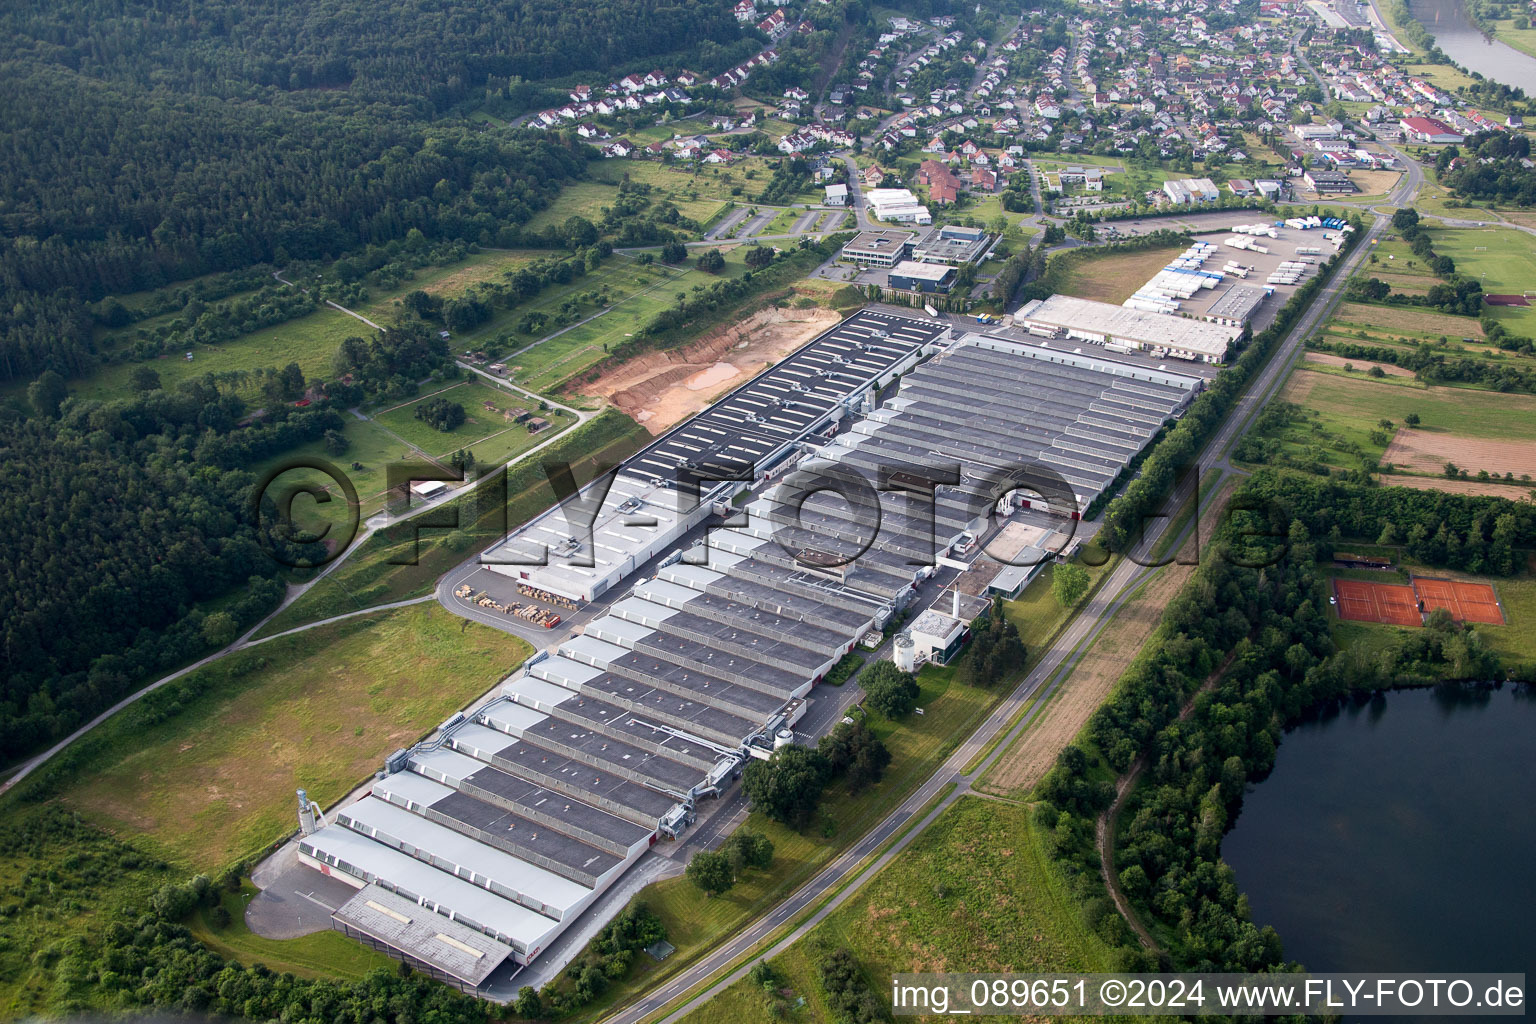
x=659, y=389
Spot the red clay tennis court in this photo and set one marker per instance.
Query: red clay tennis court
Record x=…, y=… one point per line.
x=1467, y=602
x=1377, y=602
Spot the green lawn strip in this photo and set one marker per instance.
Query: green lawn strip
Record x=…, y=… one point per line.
x=1208, y=481
x=202, y=772
x=369, y=577
x=325, y=954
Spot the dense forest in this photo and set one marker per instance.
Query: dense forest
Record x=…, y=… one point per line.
x=150, y=143
x=349, y=55
x=120, y=515
x=110, y=192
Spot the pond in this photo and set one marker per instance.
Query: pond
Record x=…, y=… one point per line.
x=1397, y=836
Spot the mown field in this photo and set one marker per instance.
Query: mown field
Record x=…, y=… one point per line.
x=1114, y=277
x=975, y=892
x=487, y=431
x=203, y=772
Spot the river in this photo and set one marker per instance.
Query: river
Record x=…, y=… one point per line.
x=1397, y=836
x=1465, y=44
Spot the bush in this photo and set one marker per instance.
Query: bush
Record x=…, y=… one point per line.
x=441, y=414
x=711, y=871
x=889, y=690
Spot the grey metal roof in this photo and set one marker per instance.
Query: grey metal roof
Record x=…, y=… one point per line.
x=464, y=953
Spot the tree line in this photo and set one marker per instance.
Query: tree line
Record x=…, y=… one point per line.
x=1435, y=366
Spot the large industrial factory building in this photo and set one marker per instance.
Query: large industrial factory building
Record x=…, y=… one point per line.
x=730, y=581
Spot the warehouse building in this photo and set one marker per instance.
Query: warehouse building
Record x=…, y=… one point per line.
x=878, y=248
x=1120, y=329
x=473, y=851
x=911, y=276
x=1236, y=306
x=1191, y=190
x=751, y=430
x=1330, y=183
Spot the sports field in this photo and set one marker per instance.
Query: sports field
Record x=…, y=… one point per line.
x=1467, y=602
x=1360, y=601
x=1406, y=604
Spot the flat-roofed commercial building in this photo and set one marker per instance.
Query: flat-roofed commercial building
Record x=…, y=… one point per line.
x=912, y=276
x=898, y=205
x=1118, y=328
x=878, y=248
x=1236, y=306
x=952, y=244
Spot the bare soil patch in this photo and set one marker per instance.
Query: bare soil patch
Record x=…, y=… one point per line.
x=1374, y=183
x=659, y=389
x=1299, y=386
x=1329, y=359
x=1427, y=452
x=1090, y=683
x=1514, y=492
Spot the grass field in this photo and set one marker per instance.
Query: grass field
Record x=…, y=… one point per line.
x=326, y=954
x=697, y=192
x=1503, y=259
x=1036, y=613
x=550, y=365
x=975, y=892
x=1115, y=277
x=493, y=437
x=1348, y=410
x=367, y=445
x=310, y=340
x=203, y=771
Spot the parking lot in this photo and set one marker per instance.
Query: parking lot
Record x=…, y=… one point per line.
x=1216, y=227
